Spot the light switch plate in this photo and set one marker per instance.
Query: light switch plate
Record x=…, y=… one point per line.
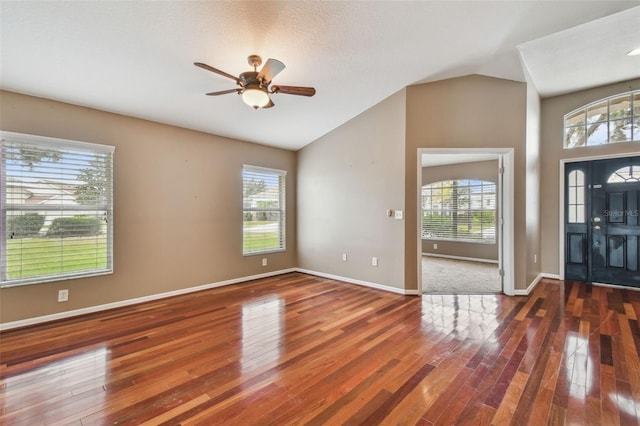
x=398, y=214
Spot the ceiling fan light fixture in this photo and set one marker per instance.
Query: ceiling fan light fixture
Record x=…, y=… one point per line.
x=255, y=97
x=254, y=85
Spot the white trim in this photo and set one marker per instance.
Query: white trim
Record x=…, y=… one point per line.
x=470, y=259
x=506, y=248
x=561, y=247
x=56, y=142
x=128, y=302
x=150, y=298
x=534, y=283
x=360, y=282
x=550, y=276
x=530, y=288
x=260, y=169
x=507, y=212
x=620, y=287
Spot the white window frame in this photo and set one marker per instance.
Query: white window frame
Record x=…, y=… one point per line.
x=633, y=120
x=576, y=194
x=102, y=208
x=469, y=210
x=251, y=207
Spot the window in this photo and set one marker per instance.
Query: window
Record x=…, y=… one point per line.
x=576, y=196
x=263, y=201
x=611, y=120
x=459, y=210
x=625, y=174
x=56, y=209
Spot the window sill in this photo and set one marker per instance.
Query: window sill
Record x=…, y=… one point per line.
x=43, y=280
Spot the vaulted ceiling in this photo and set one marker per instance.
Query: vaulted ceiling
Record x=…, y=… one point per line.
x=136, y=58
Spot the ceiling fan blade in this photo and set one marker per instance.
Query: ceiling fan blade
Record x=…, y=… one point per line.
x=270, y=70
x=269, y=105
x=217, y=71
x=224, y=92
x=294, y=90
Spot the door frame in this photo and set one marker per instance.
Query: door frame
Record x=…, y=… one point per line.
x=561, y=202
x=505, y=201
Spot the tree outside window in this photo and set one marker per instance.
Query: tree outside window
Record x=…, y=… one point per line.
x=459, y=210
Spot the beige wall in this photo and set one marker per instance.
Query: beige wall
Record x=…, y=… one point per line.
x=178, y=233
x=467, y=112
x=346, y=182
x=483, y=170
x=178, y=196
x=532, y=176
x=553, y=111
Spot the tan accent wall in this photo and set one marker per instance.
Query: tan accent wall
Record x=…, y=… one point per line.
x=532, y=178
x=482, y=170
x=177, y=206
x=466, y=112
x=552, y=151
x=346, y=182
x=173, y=233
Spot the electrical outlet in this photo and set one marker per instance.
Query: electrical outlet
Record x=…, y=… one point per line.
x=435, y=246
x=264, y=261
x=63, y=295
x=344, y=257
x=374, y=261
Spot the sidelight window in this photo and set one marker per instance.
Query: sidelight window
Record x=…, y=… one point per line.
x=576, y=197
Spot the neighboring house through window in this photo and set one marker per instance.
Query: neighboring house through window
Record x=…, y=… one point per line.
x=459, y=210
x=263, y=201
x=57, y=206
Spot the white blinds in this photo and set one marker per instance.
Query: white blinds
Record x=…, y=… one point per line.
x=57, y=204
x=263, y=201
x=459, y=210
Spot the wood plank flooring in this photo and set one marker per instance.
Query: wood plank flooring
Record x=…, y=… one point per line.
x=299, y=349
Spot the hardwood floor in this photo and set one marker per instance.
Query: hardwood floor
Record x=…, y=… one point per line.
x=298, y=349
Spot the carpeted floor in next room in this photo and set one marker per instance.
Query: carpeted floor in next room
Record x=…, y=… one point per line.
x=452, y=276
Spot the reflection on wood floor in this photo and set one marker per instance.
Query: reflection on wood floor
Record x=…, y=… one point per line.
x=298, y=349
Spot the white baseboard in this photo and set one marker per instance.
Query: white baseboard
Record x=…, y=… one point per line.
x=128, y=302
x=620, y=287
x=361, y=282
x=530, y=288
x=550, y=276
x=150, y=298
x=471, y=259
x=534, y=283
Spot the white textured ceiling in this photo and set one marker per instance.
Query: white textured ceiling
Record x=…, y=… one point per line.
x=136, y=58
x=586, y=55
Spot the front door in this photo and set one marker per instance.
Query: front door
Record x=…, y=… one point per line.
x=602, y=223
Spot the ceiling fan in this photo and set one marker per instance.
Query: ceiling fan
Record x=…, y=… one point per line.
x=254, y=85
